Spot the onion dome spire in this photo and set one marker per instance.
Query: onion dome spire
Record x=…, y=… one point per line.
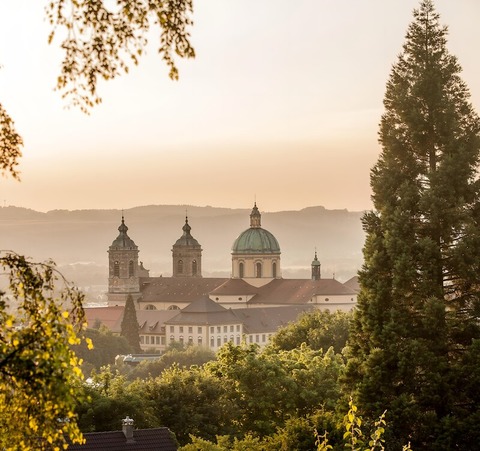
x=316, y=274
x=186, y=239
x=186, y=228
x=123, y=241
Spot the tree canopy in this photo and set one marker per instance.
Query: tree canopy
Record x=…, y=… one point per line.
x=40, y=375
x=129, y=327
x=418, y=310
x=318, y=329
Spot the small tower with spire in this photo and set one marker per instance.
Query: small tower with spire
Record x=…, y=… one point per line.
x=123, y=269
x=316, y=273
x=255, y=217
x=187, y=254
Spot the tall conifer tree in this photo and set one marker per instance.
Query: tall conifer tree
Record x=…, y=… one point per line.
x=417, y=320
x=129, y=327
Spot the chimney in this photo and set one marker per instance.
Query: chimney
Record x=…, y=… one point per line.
x=127, y=428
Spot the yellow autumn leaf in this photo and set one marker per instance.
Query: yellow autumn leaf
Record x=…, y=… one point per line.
x=89, y=343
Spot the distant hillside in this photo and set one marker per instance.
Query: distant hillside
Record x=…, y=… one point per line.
x=84, y=236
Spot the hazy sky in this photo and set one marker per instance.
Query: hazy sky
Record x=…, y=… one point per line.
x=282, y=102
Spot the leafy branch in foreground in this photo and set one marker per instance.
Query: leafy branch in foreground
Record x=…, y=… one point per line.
x=102, y=38
x=353, y=436
x=10, y=144
x=39, y=373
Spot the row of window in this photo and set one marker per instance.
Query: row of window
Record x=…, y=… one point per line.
x=225, y=328
x=258, y=269
x=152, y=340
x=159, y=340
x=225, y=339
x=189, y=329
x=257, y=338
x=189, y=341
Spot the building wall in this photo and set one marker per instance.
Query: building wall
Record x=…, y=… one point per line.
x=250, y=266
x=335, y=302
x=123, y=276
x=187, y=255
x=209, y=336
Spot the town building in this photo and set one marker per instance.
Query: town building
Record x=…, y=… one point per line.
x=249, y=306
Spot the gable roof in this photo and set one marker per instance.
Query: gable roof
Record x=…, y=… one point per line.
x=284, y=291
x=204, y=311
x=269, y=319
x=205, y=304
x=234, y=287
x=157, y=439
x=152, y=321
x=177, y=289
x=353, y=284
x=205, y=318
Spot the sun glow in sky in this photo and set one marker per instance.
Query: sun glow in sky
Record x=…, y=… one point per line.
x=282, y=103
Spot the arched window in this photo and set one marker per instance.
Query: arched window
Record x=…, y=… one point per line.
x=116, y=269
x=258, y=270
x=150, y=307
x=173, y=307
x=240, y=270
x=274, y=270
x=180, y=267
x=130, y=269
x=199, y=341
x=194, y=267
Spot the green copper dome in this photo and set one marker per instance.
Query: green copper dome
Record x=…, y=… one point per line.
x=255, y=240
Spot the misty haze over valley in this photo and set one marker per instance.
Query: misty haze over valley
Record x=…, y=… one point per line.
x=78, y=240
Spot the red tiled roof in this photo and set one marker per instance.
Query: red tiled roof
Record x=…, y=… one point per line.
x=110, y=317
x=180, y=289
x=152, y=321
x=284, y=291
x=270, y=319
x=204, y=311
x=353, y=284
x=234, y=287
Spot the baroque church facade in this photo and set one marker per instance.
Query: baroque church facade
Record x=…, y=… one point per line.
x=187, y=307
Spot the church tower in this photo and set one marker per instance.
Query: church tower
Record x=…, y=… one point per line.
x=123, y=269
x=187, y=255
x=316, y=274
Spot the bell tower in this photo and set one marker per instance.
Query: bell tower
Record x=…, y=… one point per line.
x=123, y=269
x=187, y=255
x=316, y=273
